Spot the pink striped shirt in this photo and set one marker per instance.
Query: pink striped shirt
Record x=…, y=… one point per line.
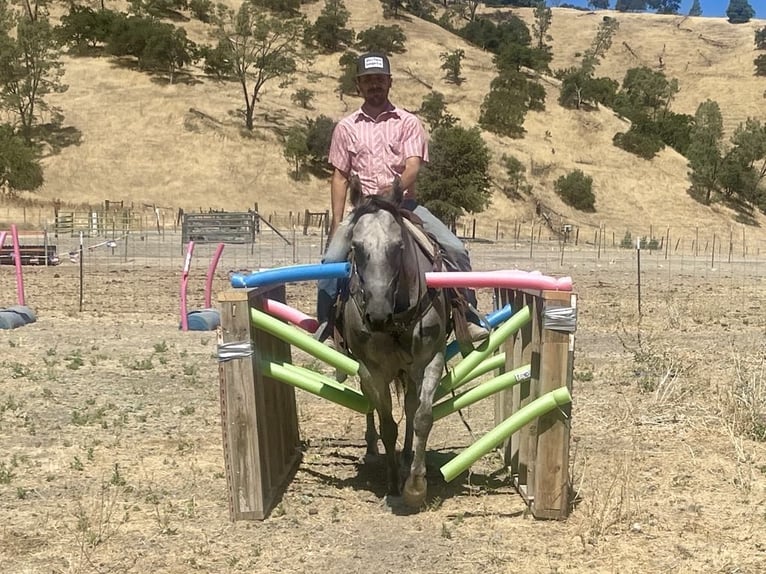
x=375, y=149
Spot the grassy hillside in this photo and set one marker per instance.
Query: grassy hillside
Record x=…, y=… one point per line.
x=183, y=145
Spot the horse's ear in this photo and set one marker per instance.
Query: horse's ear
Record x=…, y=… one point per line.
x=397, y=193
x=354, y=190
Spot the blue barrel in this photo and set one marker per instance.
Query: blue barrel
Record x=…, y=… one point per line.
x=16, y=316
x=204, y=320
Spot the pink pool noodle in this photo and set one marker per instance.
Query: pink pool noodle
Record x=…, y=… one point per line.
x=184, y=283
x=17, y=259
x=2, y=237
x=291, y=315
x=502, y=279
x=211, y=274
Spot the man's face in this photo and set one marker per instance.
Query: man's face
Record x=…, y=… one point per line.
x=374, y=88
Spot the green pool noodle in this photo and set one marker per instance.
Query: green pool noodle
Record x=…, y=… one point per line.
x=296, y=337
x=347, y=397
x=496, y=338
x=304, y=372
x=513, y=423
x=487, y=365
x=485, y=389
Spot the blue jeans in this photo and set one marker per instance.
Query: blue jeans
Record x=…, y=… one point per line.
x=453, y=250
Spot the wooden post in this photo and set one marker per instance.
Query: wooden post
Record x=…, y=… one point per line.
x=551, y=478
x=258, y=414
x=538, y=454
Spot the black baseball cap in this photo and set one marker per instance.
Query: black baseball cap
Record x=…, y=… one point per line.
x=373, y=63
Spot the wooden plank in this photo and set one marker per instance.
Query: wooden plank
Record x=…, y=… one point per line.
x=504, y=400
x=551, y=480
x=528, y=393
x=275, y=403
x=239, y=420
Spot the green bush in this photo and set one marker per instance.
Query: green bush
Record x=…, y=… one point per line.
x=639, y=142
x=576, y=189
x=386, y=39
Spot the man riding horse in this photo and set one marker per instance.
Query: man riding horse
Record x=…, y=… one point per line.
x=380, y=143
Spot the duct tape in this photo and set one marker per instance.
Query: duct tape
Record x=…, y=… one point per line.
x=560, y=319
x=234, y=350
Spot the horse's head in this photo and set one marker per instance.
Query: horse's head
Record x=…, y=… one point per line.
x=377, y=242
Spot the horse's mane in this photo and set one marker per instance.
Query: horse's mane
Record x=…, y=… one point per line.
x=373, y=204
x=367, y=204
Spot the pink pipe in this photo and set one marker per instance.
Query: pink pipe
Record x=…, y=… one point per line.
x=291, y=315
x=2, y=237
x=184, y=283
x=210, y=274
x=500, y=279
x=17, y=259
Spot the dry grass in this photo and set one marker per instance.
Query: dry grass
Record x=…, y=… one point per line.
x=183, y=145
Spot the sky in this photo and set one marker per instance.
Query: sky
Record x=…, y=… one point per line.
x=710, y=8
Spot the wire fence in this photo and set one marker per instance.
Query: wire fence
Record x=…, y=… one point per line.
x=141, y=271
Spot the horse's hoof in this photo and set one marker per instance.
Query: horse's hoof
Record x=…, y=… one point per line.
x=415, y=491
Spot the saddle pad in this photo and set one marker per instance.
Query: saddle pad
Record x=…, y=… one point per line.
x=429, y=246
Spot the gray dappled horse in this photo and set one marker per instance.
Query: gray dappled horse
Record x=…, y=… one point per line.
x=395, y=327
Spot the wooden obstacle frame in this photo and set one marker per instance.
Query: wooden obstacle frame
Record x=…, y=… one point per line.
x=259, y=414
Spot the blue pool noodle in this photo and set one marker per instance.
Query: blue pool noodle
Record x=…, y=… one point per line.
x=493, y=319
x=293, y=274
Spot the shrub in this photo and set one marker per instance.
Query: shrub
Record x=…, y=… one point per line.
x=576, y=189
x=386, y=39
x=638, y=142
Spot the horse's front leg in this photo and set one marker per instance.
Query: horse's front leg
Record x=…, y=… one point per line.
x=371, y=436
x=415, y=487
x=411, y=401
x=379, y=394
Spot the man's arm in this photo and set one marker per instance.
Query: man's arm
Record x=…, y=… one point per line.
x=410, y=174
x=338, y=190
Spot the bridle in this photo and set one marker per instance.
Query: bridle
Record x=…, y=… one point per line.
x=401, y=321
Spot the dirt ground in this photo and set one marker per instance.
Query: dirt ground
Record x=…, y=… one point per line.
x=111, y=457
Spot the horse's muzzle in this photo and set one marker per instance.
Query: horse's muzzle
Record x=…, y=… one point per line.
x=378, y=323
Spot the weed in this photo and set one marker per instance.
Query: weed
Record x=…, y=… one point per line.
x=117, y=478
x=190, y=370
x=446, y=533
x=610, y=501
x=583, y=376
x=163, y=518
x=187, y=410
x=142, y=365
x=6, y=474
x=47, y=393
x=50, y=352
x=12, y=344
x=744, y=402
x=77, y=464
x=435, y=504
x=161, y=347
x=74, y=361
x=19, y=371
x=10, y=404
x=21, y=493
